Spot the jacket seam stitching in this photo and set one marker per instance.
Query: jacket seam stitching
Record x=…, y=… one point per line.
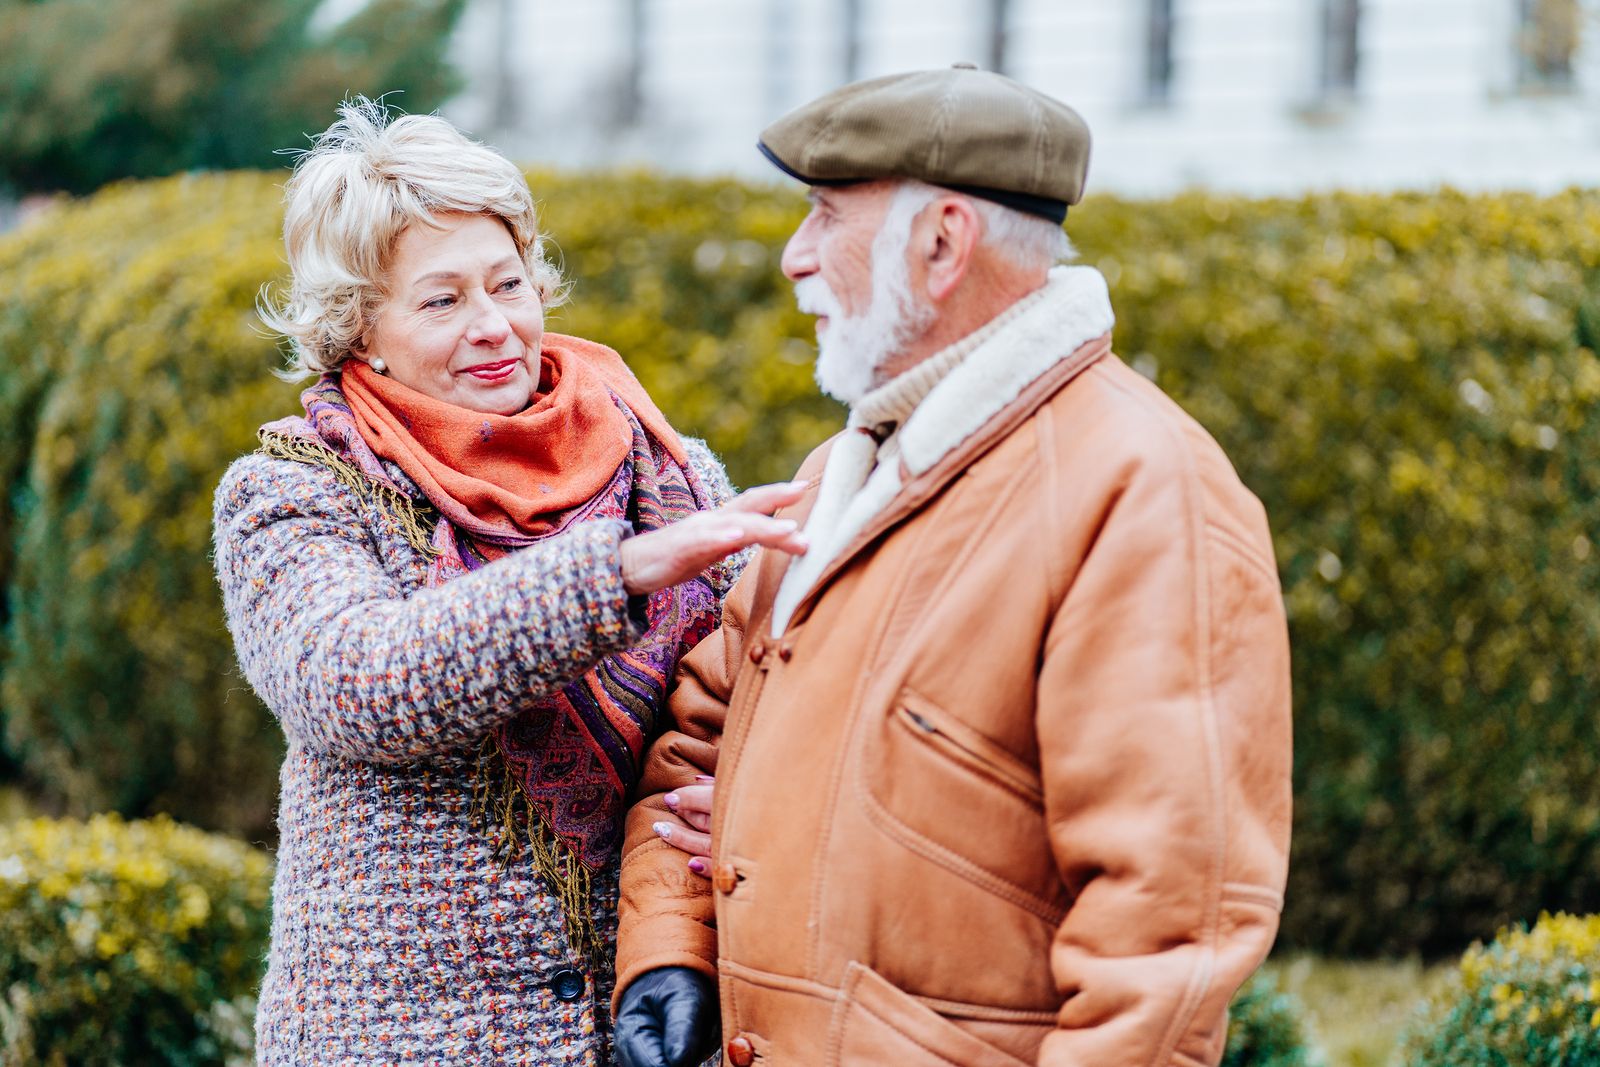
x=915, y=1038
x=1201, y=973
x=1259, y=896
x=837, y=778
x=1246, y=553
x=953, y=861
x=1046, y=442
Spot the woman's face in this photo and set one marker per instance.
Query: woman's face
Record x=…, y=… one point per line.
x=461, y=321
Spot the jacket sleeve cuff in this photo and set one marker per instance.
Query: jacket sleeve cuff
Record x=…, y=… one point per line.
x=645, y=964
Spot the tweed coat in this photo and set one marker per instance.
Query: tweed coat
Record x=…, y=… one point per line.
x=398, y=937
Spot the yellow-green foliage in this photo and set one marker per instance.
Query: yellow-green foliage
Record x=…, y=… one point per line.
x=131, y=370
x=1409, y=383
x=1529, y=999
x=122, y=942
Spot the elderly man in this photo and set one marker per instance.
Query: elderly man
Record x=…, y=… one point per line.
x=1002, y=763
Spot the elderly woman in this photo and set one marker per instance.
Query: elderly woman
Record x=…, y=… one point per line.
x=460, y=580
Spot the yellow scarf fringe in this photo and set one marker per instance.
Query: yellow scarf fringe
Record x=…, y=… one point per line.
x=415, y=525
x=500, y=803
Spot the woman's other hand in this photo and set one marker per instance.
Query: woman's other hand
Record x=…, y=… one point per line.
x=692, y=804
x=676, y=553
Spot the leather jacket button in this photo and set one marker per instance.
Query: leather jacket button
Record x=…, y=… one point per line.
x=785, y=651
x=567, y=983
x=741, y=1053
x=725, y=878
x=757, y=651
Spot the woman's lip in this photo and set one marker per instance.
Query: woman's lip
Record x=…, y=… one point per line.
x=494, y=372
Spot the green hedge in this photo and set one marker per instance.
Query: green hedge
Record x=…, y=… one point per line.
x=125, y=943
x=1409, y=382
x=1265, y=1028
x=1530, y=999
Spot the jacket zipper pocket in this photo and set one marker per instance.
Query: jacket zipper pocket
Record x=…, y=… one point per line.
x=932, y=726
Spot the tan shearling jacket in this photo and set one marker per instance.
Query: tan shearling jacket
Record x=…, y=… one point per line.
x=1012, y=787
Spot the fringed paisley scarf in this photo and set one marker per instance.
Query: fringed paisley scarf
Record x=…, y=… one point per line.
x=557, y=776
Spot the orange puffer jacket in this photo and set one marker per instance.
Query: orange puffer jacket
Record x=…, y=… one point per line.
x=1012, y=787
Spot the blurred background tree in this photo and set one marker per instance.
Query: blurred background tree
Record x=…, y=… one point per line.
x=97, y=90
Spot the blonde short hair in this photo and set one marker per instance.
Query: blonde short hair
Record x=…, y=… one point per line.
x=364, y=180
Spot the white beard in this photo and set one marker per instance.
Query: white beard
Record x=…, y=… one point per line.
x=853, y=351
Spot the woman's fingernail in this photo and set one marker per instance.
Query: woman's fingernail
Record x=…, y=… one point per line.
x=732, y=533
x=664, y=829
x=697, y=865
x=704, y=778
x=788, y=525
x=801, y=483
x=671, y=801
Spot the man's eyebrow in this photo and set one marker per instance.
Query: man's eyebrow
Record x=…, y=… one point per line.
x=452, y=275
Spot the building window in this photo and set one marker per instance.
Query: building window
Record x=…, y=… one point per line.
x=1158, y=52
x=630, y=96
x=850, y=17
x=999, y=35
x=1547, y=42
x=1341, y=47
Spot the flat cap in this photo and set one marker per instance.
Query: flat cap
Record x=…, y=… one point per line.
x=966, y=129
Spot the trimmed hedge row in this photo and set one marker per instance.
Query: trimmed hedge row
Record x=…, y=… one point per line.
x=1409, y=382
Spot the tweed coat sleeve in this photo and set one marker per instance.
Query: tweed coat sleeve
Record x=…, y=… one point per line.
x=714, y=477
x=352, y=666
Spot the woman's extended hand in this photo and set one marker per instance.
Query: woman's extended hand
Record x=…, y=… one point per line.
x=676, y=553
x=692, y=804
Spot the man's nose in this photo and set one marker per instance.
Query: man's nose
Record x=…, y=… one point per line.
x=799, y=256
x=489, y=325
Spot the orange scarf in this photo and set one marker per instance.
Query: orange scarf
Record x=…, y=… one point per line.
x=512, y=476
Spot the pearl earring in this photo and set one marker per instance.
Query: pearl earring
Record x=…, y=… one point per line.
x=379, y=366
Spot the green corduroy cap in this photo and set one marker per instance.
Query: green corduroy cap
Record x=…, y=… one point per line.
x=966, y=129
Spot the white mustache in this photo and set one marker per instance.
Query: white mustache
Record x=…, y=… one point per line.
x=815, y=298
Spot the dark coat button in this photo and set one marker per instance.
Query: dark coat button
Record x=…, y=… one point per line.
x=741, y=1053
x=567, y=983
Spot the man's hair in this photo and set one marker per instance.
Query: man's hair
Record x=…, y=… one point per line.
x=1025, y=240
x=364, y=180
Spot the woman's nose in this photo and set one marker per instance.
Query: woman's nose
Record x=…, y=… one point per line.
x=488, y=325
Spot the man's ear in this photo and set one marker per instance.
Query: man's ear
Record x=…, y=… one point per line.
x=956, y=230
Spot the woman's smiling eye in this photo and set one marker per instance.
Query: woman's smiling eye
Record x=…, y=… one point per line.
x=510, y=285
x=439, y=302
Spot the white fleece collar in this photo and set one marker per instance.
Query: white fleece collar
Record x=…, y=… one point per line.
x=1075, y=308
x=1002, y=358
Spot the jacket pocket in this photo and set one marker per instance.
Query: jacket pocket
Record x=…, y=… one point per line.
x=939, y=788
x=967, y=747
x=875, y=1022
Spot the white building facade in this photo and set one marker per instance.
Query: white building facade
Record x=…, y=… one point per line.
x=1254, y=96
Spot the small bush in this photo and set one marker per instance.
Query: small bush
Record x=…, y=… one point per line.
x=1529, y=999
x=128, y=942
x=1264, y=1027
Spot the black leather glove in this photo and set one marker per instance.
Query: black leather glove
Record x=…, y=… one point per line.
x=669, y=1017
